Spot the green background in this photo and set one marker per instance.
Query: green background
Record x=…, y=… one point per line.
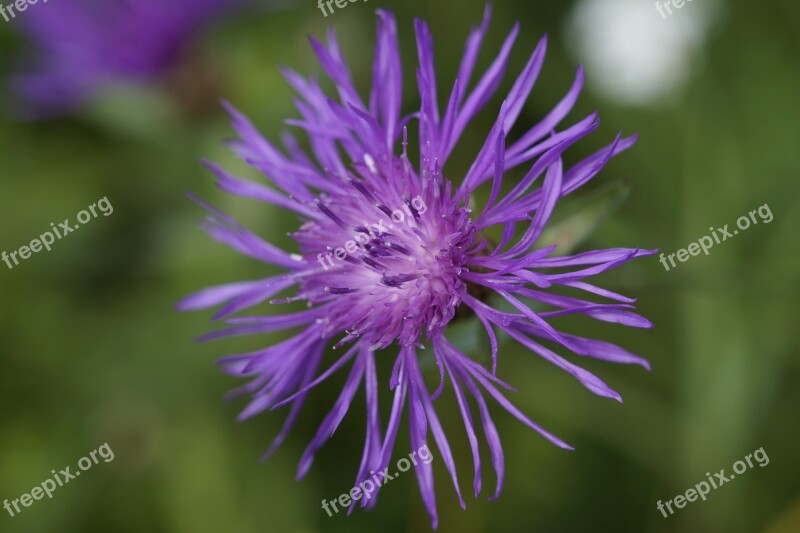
x=92, y=350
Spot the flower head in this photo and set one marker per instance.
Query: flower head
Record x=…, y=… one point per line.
x=81, y=45
x=388, y=251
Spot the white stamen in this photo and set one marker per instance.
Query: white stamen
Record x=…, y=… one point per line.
x=370, y=163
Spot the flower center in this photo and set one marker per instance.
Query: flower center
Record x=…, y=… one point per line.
x=388, y=270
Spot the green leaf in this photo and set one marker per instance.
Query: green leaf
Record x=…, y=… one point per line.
x=580, y=218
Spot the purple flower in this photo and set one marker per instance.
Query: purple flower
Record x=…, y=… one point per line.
x=389, y=250
x=81, y=45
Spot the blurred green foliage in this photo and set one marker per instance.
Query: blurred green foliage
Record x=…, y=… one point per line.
x=92, y=350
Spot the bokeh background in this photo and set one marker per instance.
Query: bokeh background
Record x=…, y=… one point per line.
x=92, y=350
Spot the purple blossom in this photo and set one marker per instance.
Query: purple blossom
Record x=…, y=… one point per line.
x=405, y=284
x=81, y=45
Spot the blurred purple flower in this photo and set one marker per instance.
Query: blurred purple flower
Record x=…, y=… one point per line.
x=408, y=279
x=81, y=45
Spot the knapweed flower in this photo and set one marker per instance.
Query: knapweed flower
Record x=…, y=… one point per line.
x=80, y=46
x=423, y=253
